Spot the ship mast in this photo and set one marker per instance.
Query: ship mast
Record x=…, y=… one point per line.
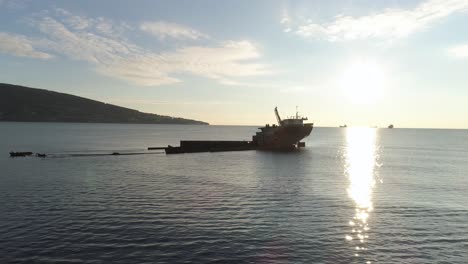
x=278, y=118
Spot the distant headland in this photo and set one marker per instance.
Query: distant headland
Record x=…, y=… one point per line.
x=20, y=103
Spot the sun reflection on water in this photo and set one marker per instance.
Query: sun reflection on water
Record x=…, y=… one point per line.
x=361, y=158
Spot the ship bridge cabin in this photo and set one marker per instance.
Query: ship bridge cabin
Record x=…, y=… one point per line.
x=291, y=121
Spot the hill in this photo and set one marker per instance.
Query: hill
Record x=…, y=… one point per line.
x=19, y=103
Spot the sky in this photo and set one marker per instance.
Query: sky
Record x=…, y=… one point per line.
x=354, y=62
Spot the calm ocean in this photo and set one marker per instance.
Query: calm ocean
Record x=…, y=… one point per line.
x=355, y=195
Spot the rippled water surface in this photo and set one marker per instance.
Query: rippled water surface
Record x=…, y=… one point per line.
x=354, y=195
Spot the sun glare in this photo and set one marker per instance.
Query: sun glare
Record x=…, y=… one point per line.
x=363, y=82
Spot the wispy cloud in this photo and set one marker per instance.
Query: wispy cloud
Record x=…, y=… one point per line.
x=388, y=24
x=163, y=30
x=20, y=45
x=460, y=51
x=100, y=25
x=87, y=45
x=14, y=4
x=230, y=58
x=286, y=21
x=103, y=44
x=221, y=62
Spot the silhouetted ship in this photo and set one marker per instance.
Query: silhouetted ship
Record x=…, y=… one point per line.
x=284, y=136
x=390, y=126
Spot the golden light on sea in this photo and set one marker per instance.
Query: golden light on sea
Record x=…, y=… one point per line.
x=360, y=155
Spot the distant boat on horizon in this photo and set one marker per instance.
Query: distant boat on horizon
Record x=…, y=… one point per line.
x=343, y=126
x=390, y=126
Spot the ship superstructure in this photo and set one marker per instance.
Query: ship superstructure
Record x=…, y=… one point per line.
x=286, y=135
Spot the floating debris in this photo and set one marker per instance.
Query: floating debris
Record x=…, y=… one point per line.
x=20, y=154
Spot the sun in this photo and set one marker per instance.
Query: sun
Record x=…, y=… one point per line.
x=363, y=82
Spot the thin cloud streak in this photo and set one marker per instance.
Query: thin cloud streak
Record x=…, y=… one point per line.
x=389, y=24
x=163, y=30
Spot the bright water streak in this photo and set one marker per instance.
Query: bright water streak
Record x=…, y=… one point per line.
x=360, y=157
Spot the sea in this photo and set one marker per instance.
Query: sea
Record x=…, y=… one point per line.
x=352, y=195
